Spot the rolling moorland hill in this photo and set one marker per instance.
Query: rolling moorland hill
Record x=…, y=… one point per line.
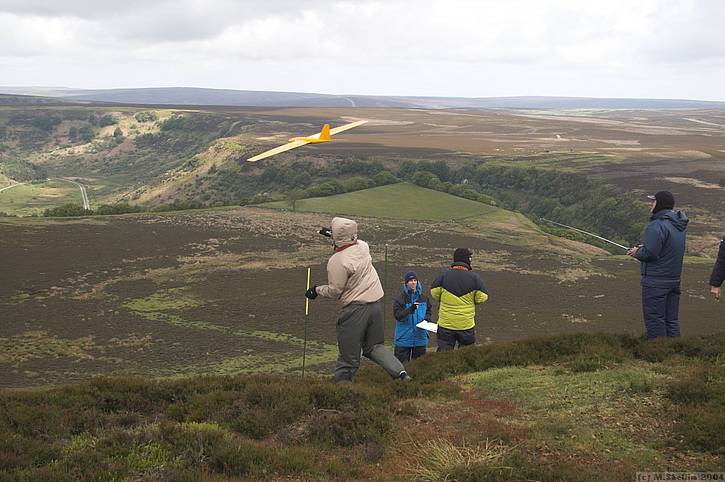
x=229, y=97
x=219, y=291
x=172, y=158
x=120, y=287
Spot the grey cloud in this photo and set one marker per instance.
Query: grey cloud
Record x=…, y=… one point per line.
x=69, y=8
x=93, y=9
x=167, y=25
x=688, y=32
x=141, y=21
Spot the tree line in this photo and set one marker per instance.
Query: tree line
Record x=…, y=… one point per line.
x=565, y=197
x=74, y=209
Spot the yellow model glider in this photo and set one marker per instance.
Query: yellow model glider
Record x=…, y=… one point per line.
x=322, y=136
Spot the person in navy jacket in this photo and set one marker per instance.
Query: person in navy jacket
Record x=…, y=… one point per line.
x=718, y=271
x=661, y=258
x=409, y=309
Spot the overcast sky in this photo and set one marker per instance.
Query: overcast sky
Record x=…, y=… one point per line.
x=597, y=48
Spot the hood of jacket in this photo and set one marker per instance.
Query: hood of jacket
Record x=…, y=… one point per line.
x=416, y=294
x=677, y=218
x=344, y=231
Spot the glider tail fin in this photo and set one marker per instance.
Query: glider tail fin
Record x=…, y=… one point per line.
x=325, y=134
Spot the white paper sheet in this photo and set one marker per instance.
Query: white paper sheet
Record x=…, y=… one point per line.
x=427, y=325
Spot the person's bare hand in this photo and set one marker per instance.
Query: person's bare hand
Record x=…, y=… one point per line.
x=633, y=251
x=715, y=291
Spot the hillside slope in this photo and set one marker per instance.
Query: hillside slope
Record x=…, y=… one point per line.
x=569, y=408
x=220, y=291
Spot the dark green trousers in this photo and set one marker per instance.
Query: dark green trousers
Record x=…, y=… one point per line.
x=360, y=330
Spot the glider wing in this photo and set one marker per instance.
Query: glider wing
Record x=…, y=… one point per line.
x=337, y=130
x=323, y=136
x=277, y=150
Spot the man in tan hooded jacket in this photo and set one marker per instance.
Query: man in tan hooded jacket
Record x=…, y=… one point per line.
x=352, y=279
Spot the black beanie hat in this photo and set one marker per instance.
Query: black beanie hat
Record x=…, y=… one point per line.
x=410, y=275
x=462, y=255
x=665, y=200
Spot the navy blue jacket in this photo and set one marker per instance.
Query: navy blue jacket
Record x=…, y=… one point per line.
x=718, y=271
x=663, y=249
x=407, y=316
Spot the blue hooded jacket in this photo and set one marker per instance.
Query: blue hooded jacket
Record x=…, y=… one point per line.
x=663, y=249
x=406, y=333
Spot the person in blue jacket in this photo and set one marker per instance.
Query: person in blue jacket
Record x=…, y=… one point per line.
x=660, y=259
x=718, y=271
x=409, y=309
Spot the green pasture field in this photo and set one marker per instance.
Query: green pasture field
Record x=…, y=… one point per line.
x=567, y=162
x=104, y=190
x=4, y=181
x=28, y=199
x=396, y=201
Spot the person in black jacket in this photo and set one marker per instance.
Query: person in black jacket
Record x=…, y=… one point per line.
x=661, y=258
x=718, y=271
x=457, y=291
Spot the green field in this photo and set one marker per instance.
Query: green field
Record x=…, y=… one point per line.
x=29, y=199
x=396, y=201
x=565, y=162
x=103, y=190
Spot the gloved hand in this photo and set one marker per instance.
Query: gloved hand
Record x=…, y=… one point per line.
x=311, y=293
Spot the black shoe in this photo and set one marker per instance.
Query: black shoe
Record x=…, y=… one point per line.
x=404, y=377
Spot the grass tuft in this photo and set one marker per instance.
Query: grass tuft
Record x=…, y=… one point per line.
x=440, y=459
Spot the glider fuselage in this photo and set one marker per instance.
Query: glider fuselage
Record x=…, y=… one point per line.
x=311, y=140
x=322, y=136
